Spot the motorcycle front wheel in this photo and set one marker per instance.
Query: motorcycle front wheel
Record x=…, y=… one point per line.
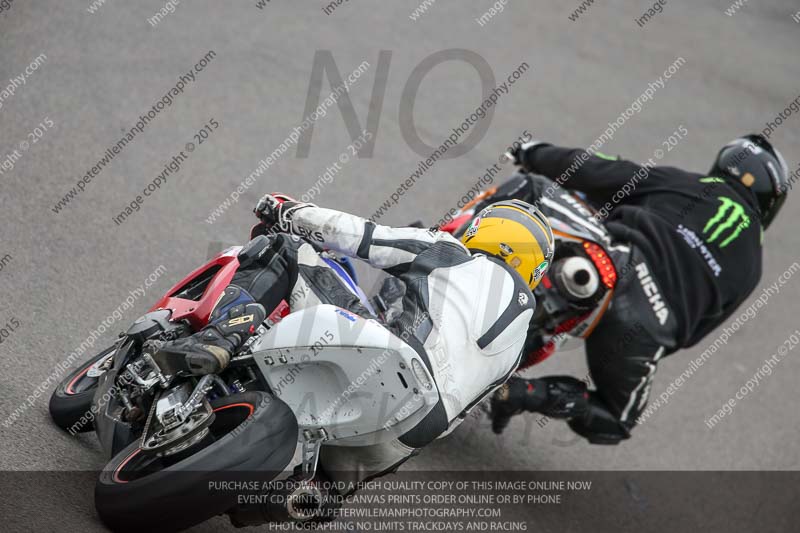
x=253, y=437
x=72, y=399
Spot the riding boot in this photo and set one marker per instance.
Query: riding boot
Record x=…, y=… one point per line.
x=233, y=320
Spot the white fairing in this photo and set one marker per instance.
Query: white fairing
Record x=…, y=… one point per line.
x=346, y=374
x=362, y=382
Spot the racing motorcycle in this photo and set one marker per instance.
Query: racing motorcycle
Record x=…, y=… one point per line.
x=173, y=438
x=577, y=290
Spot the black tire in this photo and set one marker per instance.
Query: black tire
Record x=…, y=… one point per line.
x=72, y=399
x=154, y=495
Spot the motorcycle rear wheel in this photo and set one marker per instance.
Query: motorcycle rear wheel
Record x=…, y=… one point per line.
x=253, y=437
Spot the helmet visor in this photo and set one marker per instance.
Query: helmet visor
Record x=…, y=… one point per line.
x=772, y=211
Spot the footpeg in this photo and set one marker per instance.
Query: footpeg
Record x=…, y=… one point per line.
x=312, y=444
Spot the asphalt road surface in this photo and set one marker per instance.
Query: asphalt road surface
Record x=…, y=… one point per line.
x=90, y=76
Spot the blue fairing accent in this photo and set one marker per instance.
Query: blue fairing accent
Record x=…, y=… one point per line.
x=341, y=271
x=348, y=265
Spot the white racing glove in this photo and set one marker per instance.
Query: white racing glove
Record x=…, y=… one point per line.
x=276, y=210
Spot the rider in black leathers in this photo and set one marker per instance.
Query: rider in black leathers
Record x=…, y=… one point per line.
x=692, y=253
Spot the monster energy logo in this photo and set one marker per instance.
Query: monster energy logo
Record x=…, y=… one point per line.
x=736, y=219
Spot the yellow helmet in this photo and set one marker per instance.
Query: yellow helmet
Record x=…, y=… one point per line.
x=517, y=233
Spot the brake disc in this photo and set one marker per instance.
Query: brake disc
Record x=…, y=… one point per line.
x=157, y=440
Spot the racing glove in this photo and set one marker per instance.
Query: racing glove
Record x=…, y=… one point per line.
x=277, y=209
x=521, y=155
x=553, y=396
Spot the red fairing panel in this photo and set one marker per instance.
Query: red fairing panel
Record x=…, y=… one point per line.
x=197, y=313
x=456, y=223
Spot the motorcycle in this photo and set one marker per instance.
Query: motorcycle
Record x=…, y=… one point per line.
x=320, y=375
x=316, y=377
x=577, y=290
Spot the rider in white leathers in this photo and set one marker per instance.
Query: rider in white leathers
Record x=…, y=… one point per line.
x=467, y=304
